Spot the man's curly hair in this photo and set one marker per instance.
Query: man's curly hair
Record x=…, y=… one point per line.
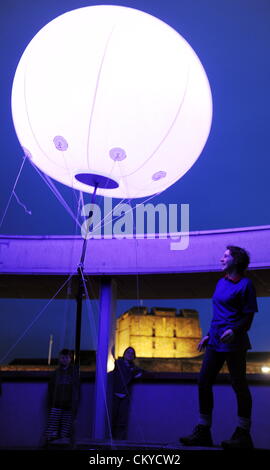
x=241, y=258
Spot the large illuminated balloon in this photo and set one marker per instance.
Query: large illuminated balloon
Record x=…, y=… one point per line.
x=114, y=97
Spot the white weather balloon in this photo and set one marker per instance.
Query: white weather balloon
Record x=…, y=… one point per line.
x=112, y=96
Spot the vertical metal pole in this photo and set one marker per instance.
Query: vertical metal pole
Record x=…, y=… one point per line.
x=50, y=350
x=105, y=343
x=79, y=300
x=80, y=293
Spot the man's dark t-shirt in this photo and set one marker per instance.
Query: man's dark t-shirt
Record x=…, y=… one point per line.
x=234, y=303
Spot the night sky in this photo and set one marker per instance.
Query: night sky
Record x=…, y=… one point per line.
x=227, y=187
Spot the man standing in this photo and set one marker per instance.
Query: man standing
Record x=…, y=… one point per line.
x=124, y=373
x=63, y=399
x=234, y=304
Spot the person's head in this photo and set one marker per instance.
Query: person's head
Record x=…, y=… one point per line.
x=65, y=358
x=235, y=259
x=129, y=354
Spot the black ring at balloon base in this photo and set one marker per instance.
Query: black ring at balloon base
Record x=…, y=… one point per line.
x=100, y=181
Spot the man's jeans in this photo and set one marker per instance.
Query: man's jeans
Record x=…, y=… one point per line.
x=212, y=363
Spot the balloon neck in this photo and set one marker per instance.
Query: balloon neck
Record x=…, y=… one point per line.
x=95, y=180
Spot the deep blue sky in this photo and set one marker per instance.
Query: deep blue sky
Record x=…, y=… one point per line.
x=229, y=184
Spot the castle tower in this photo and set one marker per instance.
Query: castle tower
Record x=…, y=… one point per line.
x=162, y=332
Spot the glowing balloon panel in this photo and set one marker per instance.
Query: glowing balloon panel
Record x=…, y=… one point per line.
x=114, y=95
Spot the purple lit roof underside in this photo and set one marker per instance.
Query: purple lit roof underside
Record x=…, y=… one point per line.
x=35, y=266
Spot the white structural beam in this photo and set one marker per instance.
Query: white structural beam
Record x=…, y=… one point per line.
x=157, y=261
x=61, y=254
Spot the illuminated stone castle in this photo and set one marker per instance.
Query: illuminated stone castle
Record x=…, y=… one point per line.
x=162, y=332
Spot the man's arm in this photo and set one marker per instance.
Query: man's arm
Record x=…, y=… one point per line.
x=241, y=326
x=202, y=344
x=244, y=323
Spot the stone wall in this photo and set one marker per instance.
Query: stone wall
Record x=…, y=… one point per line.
x=162, y=333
